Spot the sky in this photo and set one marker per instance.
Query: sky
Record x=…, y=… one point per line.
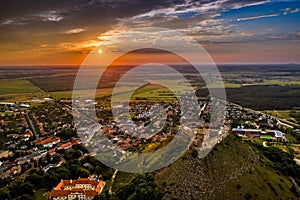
x=63, y=32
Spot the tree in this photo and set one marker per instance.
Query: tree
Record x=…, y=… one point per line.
x=4, y=193
x=63, y=172
x=27, y=188
x=98, y=170
x=23, y=168
x=194, y=153
x=141, y=186
x=83, y=173
x=24, y=197
x=35, y=180
x=248, y=196
x=19, y=189
x=51, y=179
x=48, y=158
x=35, y=164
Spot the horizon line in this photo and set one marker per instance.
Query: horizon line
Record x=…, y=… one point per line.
x=218, y=64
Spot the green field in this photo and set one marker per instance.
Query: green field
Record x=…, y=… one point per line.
x=147, y=94
x=226, y=85
x=283, y=114
x=17, y=86
x=265, y=82
x=99, y=92
x=278, y=82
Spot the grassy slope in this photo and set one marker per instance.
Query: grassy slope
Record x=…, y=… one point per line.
x=232, y=170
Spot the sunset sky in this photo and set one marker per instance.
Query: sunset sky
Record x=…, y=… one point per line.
x=63, y=32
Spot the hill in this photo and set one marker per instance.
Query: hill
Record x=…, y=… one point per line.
x=234, y=169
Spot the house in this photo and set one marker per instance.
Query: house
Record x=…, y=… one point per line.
x=277, y=135
x=5, y=154
x=82, y=189
x=274, y=135
x=75, y=141
x=47, y=167
x=14, y=170
x=51, y=151
x=28, y=133
x=250, y=133
x=34, y=155
x=66, y=145
x=48, y=142
x=24, y=147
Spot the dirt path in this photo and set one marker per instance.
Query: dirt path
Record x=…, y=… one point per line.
x=294, y=182
x=112, y=181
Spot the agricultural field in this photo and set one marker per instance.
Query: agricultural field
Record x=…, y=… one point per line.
x=69, y=93
x=289, y=115
x=263, y=87
x=15, y=90
x=17, y=86
x=150, y=93
x=263, y=97
x=278, y=82
x=226, y=85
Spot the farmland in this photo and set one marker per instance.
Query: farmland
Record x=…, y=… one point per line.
x=17, y=86
x=262, y=87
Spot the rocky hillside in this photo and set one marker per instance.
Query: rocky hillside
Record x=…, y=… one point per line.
x=232, y=170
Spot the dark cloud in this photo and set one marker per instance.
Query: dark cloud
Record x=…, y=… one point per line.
x=33, y=23
x=189, y=13
x=93, y=11
x=46, y=21
x=50, y=15
x=117, y=8
x=150, y=51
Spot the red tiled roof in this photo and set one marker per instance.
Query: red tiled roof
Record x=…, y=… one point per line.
x=47, y=140
x=75, y=141
x=51, y=151
x=68, y=144
x=90, y=193
x=60, y=192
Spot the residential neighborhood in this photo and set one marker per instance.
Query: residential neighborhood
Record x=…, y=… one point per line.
x=45, y=137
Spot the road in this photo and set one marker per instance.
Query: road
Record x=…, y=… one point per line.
x=31, y=125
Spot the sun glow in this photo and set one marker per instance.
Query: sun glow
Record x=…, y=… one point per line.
x=100, y=51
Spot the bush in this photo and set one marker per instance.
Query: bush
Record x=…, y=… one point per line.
x=194, y=153
x=248, y=196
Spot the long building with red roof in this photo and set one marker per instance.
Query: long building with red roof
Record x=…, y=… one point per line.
x=82, y=188
x=48, y=142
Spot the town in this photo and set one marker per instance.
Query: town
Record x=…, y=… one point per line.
x=39, y=140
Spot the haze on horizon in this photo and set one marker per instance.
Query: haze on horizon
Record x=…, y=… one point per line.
x=54, y=32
